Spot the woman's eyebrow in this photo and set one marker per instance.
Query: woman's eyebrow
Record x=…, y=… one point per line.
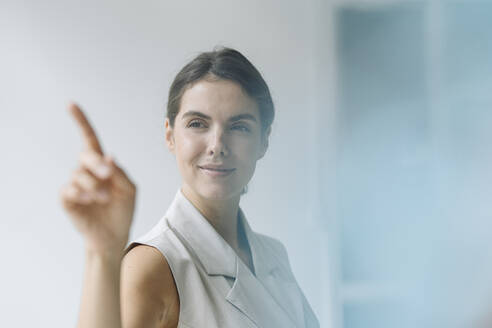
x=195, y=113
x=245, y=116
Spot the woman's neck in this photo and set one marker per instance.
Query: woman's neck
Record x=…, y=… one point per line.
x=221, y=214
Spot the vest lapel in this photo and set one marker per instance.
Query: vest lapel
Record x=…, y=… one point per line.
x=270, y=295
x=213, y=252
x=250, y=297
x=269, y=299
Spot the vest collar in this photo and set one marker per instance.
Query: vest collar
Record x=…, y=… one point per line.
x=215, y=254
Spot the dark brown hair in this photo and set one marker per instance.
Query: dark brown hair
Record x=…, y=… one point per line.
x=228, y=64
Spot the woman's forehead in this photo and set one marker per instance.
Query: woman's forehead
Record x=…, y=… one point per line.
x=220, y=97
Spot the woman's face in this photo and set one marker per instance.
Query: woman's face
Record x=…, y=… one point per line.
x=216, y=139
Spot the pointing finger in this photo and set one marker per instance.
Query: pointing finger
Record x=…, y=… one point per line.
x=89, y=136
x=96, y=164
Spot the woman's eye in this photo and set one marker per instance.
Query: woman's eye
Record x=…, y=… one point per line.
x=195, y=124
x=242, y=128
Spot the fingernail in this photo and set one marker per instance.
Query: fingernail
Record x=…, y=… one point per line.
x=103, y=170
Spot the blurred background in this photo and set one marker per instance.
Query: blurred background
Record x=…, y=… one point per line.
x=378, y=178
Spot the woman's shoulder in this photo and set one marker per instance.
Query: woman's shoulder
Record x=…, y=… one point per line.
x=145, y=262
x=148, y=287
x=145, y=267
x=161, y=239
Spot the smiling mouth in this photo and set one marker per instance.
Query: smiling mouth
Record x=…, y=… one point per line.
x=216, y=172
x=219, y=170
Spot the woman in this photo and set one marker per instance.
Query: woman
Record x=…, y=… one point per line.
x=201, y=265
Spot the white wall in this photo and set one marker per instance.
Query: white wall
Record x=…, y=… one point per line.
x=117, y=59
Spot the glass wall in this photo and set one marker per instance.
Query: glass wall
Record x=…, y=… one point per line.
x=414, y=163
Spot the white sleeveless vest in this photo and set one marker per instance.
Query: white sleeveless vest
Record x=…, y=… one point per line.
x=216, y=289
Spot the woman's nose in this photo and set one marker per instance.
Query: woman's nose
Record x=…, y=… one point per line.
x=217, y=145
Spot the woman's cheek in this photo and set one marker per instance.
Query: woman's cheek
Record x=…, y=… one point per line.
x=249, y=152
x=248, y=159
x=191, y=145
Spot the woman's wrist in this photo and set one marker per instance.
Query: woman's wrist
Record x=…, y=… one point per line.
x=111, y=257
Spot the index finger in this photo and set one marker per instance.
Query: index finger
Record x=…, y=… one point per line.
x=89, y=136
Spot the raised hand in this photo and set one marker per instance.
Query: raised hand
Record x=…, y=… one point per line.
x=100, y=198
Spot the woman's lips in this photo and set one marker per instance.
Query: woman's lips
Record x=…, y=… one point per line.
x=217, y=172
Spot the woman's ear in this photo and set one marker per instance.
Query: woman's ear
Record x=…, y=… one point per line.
x=264, y=142
x=169, y=135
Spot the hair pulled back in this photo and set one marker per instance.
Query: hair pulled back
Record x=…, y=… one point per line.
x=228, y=64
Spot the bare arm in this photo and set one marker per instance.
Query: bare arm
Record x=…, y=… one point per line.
x=149, y=296
x=100, y=201
x=100, y=304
